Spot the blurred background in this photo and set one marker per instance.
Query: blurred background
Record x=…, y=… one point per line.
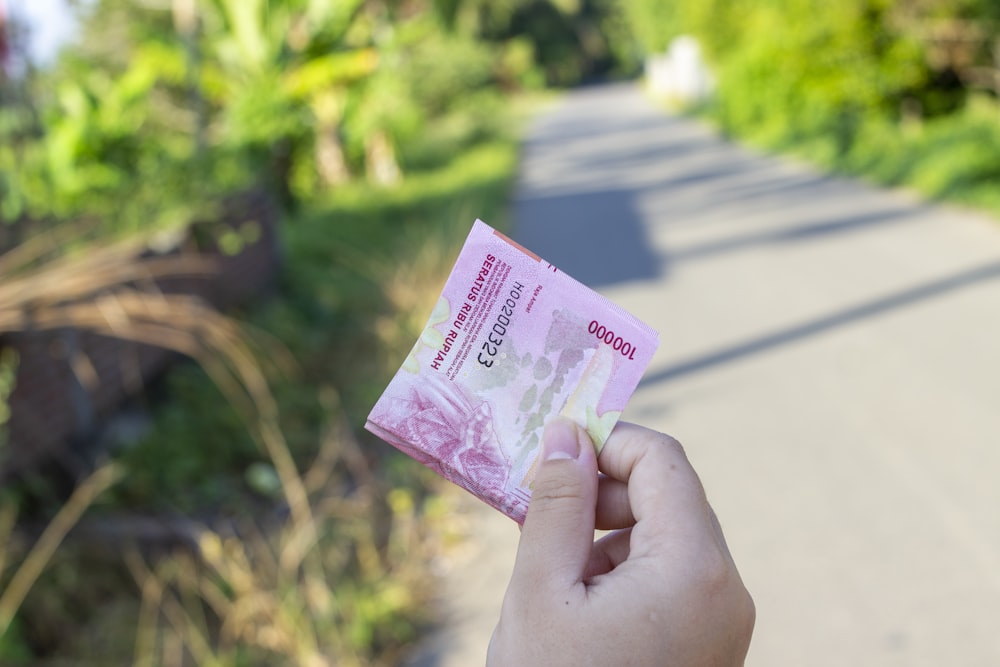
x=223, y=222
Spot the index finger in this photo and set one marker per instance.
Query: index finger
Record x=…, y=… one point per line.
x=661, y=482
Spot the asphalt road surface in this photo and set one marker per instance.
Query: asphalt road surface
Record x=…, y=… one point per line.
x=830, y=357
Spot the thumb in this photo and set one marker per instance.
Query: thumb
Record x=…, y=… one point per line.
x=558, y=532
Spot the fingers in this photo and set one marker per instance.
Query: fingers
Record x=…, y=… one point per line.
x=613, y=509
x=629, y=443
x=608, y=553
x=558, y=532
x=662, y=486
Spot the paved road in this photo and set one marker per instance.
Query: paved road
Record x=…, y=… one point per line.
x=830, y=357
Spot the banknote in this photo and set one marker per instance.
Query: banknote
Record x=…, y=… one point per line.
x=511, y=342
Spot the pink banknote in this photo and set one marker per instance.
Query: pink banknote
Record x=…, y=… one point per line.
x=512, y=342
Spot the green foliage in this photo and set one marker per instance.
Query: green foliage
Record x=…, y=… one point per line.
x=194, y=455
x=954, y=157
x=439, y=65
x=112, y=146
x=874, y=87
x=789, y=70
x=224, y=94
x=163, y=107
x=336, y=312
x=569, y=40
x=14, y=650
x=654, y=23
x=8, y=380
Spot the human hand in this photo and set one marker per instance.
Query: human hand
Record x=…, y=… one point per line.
x=662, y=589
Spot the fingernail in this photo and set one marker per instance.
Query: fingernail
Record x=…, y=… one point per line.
x=561, y=439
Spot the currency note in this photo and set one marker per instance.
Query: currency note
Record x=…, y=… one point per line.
x=511, y=342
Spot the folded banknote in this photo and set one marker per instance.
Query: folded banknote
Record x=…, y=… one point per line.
x=511, y=343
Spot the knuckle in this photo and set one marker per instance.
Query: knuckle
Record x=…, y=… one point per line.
x=749, y=612
x=555, y=488
x=556, y=494
x=714, y=574
x=665, y=452
x=670, y=444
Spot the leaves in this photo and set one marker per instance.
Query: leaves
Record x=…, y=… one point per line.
x=335, y=69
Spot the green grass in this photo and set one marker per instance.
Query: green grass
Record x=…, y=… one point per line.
x=951, y=158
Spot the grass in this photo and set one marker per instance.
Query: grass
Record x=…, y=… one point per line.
x=341, y=575
x=953, y=158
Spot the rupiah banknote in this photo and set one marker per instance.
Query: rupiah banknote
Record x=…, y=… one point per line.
x=512, y=342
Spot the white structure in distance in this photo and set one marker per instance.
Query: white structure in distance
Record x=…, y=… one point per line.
x=680, y=76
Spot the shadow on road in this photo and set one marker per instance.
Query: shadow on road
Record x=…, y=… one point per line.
x=808, y=232
x=598, y=238
x=598, y=181
x=844, y=317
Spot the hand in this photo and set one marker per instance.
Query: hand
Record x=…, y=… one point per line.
x=660, y=590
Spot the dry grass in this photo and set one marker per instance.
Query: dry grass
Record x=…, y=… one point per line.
x=41, y=552
x=316, y=590
x=267, y=596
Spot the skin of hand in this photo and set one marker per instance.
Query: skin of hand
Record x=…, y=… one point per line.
x=661, y=589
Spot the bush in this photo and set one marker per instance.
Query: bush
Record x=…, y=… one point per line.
x=862, y=85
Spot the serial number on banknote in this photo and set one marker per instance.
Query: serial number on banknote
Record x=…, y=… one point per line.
x=491, y=346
